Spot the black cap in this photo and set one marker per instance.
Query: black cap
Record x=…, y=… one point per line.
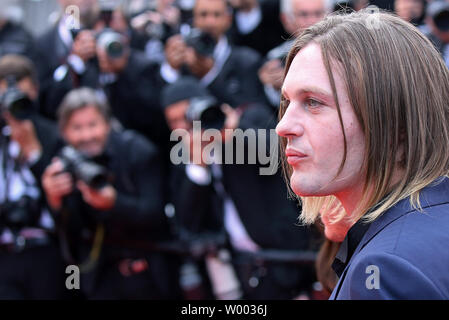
x=184, y=88
x=438, y=10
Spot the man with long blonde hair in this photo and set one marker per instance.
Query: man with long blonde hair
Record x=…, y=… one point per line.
x=364, y=124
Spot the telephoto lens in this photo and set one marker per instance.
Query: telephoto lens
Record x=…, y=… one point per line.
x=113, y=43
x=202, y=42
x=207, y=110
x=94, y=175
x=15, y=101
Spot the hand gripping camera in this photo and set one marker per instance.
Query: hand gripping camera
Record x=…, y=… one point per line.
x=91, y=173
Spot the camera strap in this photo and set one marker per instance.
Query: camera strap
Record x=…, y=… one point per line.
x=94, y=253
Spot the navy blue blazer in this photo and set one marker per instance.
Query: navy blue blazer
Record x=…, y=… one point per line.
x=404, y=254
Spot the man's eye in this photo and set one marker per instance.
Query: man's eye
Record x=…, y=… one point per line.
x=312, y=103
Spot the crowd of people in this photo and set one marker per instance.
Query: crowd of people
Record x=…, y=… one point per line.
x=87, y=179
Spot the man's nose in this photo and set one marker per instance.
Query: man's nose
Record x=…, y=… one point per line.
x=85, y=134
x=290, y=124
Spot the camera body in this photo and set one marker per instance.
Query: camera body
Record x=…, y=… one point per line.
x=20, y=213
x=207, y=110
x=438, y=10
x=91, y=173
x=202, y=42
x=112, y=42
x=15, y=101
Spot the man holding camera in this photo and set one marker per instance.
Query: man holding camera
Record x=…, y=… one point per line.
x=252, y=209
x=30, y=263
x=228, y=72
x=97, y=54
x=105, y=224
x=296, y=15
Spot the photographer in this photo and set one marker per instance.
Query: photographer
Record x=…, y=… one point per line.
x=103, y=219
x=228, y=72
x=99, y=56
x=153, y=23
x=256, y=24
x=296, y=15
x=30, y=263
x=252, y=209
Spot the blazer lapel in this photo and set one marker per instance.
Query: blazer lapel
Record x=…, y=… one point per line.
x=434, y=194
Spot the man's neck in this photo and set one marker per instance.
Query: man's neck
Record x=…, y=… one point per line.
x=351, y=200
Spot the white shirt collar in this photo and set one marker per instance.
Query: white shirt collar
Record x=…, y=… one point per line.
x=248, y=21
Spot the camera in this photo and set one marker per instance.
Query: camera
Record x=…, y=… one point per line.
x=113, y=43
x=15, y=101
x=20, y=213
x=202, y=42
x=439, y=12
x=207, y=110
x=81, y=168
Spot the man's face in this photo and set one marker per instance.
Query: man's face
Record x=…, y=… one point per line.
x=307, y=12
x=409, y=9
x=311, y=125
x=175, y=115
x=212, y=16
x=87, y=130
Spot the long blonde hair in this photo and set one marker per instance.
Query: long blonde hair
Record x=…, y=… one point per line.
x=398, y=86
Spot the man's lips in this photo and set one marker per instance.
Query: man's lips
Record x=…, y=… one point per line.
x=294, y=156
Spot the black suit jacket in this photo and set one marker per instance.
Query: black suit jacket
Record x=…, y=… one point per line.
x=135, y=99
x=238, y=82
x=48, y=135
x=268, y=34
x=134, y=165
x=51, y=52
x=136, y=222
x=198, y=207
x=14, y=39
